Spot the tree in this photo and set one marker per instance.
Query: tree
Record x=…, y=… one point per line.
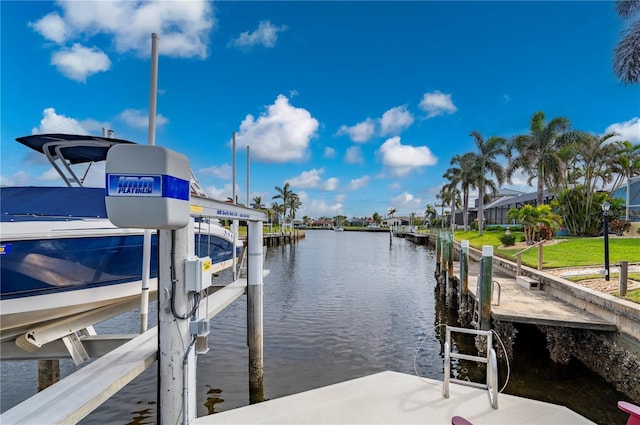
x=376, y=217
x=533, y=218
x=391, y=212
x=465, y=175
x=294, y=205
x=626, y=60
x=285, y=194
x=537, y=151
x=257, y=203
x=486, y=163
x=430, y=213
x=277, y=210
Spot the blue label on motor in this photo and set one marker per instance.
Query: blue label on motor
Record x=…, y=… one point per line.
x=5, y=249
x=155, y=186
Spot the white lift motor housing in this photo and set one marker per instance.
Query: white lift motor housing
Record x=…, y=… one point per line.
x=147, y=187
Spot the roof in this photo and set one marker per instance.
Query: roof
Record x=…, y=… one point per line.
x=77, y=148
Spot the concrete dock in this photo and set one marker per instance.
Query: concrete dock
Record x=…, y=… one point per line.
x=520, y=305
x=395, y=398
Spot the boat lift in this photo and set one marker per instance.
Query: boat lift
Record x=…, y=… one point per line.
x=120, y=358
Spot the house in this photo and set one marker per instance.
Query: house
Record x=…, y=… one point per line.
x=322, y=223
x=634, y=197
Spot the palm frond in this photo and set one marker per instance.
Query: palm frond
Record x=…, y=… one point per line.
x=626, y=59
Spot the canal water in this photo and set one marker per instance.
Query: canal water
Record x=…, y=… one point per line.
x=337, y=306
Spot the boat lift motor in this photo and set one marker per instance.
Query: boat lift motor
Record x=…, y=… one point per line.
x=147, y=187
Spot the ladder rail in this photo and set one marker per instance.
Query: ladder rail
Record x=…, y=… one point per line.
x=491, y=384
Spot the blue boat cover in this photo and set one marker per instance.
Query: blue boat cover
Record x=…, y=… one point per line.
x=36, y=202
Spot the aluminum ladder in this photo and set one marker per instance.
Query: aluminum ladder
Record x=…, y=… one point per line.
x=490, y=360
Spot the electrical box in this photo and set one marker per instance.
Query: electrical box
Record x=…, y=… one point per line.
x=197, y=273
x=147, y=187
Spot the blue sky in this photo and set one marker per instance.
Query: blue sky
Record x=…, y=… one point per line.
x=360, y=106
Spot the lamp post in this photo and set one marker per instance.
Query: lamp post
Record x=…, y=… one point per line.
x=605, y=211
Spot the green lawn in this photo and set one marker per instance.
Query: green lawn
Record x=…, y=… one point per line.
x=574, y=252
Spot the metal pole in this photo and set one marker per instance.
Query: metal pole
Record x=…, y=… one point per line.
x=233, y=201
x=151, y=139
x=606, y=245
x=486, y=282
x=248, y=174
x=254, y=312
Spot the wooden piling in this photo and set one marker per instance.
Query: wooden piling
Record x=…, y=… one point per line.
x=437, y=249
x=624, y=273
x=464, y=270
x=48, y=373
x=486, y=283
x=254, y=312
x=450, y=253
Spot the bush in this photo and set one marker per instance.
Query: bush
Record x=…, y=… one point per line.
x=620, y=227
x=545, y=232
x=507, y=240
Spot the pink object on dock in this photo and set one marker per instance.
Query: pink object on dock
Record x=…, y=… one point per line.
x=632, y=410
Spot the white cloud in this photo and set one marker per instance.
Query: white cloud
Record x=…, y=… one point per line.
x=406, y=201
x=404, y=158
x=222, y=172
x=52, y=27
x=329, y=152
x=331, y=184
x=222, y=193
x=437, y=103
x=307, y=180
x=280, y=135
x=137, y=118
x=54, y=123
x=319, y=208
x=628, y=130
x=184, y=28
x=18, y=179
x=356, y=184
x=266, y=35
x=353, y=155
x=79, y=62
x=360, y=132
x=395, y=120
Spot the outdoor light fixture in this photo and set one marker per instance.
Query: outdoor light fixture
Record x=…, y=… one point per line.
x=605, y=211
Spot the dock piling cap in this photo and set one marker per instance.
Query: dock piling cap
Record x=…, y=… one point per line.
x=487, y=251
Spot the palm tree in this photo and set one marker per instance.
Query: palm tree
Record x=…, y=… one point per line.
x=626, y=164
x=277, y=210
x=391, y=212
x=465, y=176
x=430, y=213
x=537, y=151
x=485, y=161
x=294, y=205
x=452, y=196
x=285, y=194
x=626, y=60
x=257, y=203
